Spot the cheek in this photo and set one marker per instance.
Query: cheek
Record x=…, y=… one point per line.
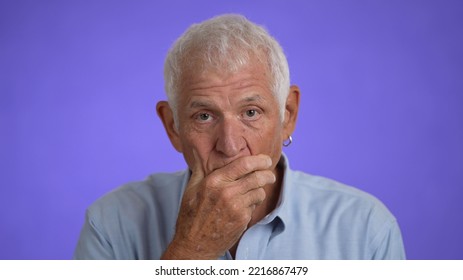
x=200, y=142
x=265, y=139
x=194, y=140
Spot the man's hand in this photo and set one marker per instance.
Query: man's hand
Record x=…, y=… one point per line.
x=216, y=209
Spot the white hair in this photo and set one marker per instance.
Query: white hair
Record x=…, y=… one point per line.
x=225, y=43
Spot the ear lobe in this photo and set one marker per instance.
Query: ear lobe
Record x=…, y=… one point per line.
x=167, y=117
x=291, y=111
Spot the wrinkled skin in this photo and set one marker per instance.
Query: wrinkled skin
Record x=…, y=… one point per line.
x=230, y=133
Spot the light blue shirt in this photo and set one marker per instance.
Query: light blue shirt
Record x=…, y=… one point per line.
x=315, y=218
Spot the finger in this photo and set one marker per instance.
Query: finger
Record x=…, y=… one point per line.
x=256, y=179
x=254, y=197
x=243, y=166
x=197, y=173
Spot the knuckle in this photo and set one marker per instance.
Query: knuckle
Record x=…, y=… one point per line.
x=256, y=178
x=246, y=164
x=227, y=202
x=227, y=194
x=210, y=182
x=233, y=210
x=236, y=208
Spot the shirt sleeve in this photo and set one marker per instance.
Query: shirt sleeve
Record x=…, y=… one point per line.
x=390, y=245
x=92, y=243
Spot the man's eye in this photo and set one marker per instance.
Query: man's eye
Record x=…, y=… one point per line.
x=251, y=114
x=204, y=116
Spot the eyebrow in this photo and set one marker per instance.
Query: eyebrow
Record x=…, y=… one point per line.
x=250, y=99
x=200, y=104
x=206, y=104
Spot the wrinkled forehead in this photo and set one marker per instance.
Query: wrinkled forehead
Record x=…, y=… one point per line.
x=198, y=64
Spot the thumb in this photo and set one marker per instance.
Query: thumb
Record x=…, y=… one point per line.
x=197, y=173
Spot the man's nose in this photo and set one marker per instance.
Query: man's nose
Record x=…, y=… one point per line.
x=230, y=139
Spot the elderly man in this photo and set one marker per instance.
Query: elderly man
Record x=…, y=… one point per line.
x=230, y=110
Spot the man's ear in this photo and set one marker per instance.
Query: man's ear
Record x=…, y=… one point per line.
x=167, y=117
x=291, y=110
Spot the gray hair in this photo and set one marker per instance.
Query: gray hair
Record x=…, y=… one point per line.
x=225, y=43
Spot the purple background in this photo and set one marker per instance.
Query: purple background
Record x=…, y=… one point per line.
x=382, y=96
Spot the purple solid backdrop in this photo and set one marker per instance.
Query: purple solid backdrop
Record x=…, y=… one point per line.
x=382, y=96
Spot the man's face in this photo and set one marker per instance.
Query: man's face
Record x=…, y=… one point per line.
x=224, y=117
